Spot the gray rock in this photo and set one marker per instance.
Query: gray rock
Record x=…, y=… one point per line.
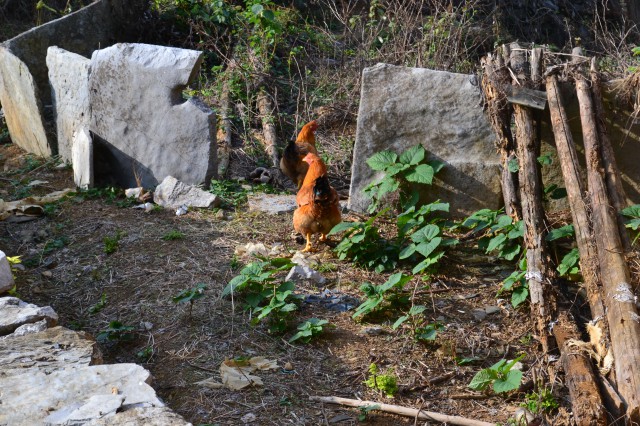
x=52, y=349
x=402, y=107
x=38, y=394
x=24, y=84
x=271, y=203
x=96, y=407
x=82, y=158
x=14, y=313
x=148, y=416
x=69, y=78
x=25, y=329
x=172, y=194
x=144, y=125
x=304, y=273
x=6, y=276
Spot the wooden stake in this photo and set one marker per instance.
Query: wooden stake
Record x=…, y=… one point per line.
x=539, y=273
x=403, y=411
x=586, y=402
x=622, y=314
x=265, y=107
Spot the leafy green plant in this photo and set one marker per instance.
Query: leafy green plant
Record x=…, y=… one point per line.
x=633, y=221
x=282, y=301
x=364, y=411
x=173, y=235
x=145, y=354
x=99, y=305
x=309, y=329
x=378, y=294
x=517, y=284
x=190, y=295
x=111, y=244
x=501, y=375
x=420, y=328
x=569, y=267
x=541, y=401
x=116, y=331
x=400, y=172
x=55, y=244
x=363, y=244
x=386, y=383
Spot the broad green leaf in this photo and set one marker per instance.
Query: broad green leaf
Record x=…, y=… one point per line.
x=387, y=185
x=257, y=9
x=407, y=251
x=483, y=379
x=417, y=309
x=427, y=333
x=496, y=242
x=436, y=165
x=519, y=296
x=399, y=321
x=517, y=231
x=426, y=249
x=413, y=155
x=569, y=263
x=632, y=211
x=510, y=251
x=423, y=173
x=509, y=383
x=545, y=160
x=433, y=259
x=633, y=224
x=382, y=160
x=513, y=166
x=425, y=234
x=343, y=226
x=394, y=169
x=562, y=232
x=503, y=221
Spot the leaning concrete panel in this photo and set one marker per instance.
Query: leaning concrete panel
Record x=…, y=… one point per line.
x=142, y=123
x=69, y=78
x=402, y=107
x=98, y=25
x=22, y=108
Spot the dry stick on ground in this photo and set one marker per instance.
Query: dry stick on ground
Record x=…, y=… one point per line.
x=586, y=402
x=612, y=173
x=225, y=117
x=499, y=110
x=622, y=314
x=403, y=411
x=265, y=108
x=588, y=252
x=539, y=273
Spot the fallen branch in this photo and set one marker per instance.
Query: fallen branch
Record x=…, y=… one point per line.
x=403, y=411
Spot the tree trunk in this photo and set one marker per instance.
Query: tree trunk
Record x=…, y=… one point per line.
x=586, y=402
x=622, y=314
x=539, y=273
x=612, y=174
x=265, y=108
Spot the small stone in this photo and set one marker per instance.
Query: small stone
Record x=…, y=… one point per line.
x=173, y=194
x=288, y=366
x=133, y=192
x=304, y=273
x=479, y=314
x=373, y=331
x=6, y=276
x=14, y=313
x=47, y=274
x=491, y=309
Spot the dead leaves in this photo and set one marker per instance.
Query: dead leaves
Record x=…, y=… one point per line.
x=237, y=374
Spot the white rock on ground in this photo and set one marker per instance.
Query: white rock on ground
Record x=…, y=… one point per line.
x=139, y=117
x=401, y=107
x=271, y=203
x=38, y=396
x=69, y=79
x=172, y=194
x=14, y=313
x=304, y=273
x=82, y=158
x=52, y=349
x=6, y=276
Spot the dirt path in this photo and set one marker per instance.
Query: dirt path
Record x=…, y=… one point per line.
x=66, y=267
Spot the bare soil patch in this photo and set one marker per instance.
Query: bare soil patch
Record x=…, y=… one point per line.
x=66, y=267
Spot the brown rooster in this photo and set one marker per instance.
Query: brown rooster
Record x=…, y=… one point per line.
x=318, y=203
x=291, y=162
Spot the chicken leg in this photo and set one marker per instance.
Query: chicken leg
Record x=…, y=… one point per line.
x=308, y=247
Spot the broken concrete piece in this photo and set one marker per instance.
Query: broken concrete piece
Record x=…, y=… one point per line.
x=172, y=194
x=271, y=203
x=96, y=407
x=401, y=107
x=52, y=349
x=144, y=125
x=24, y=83
x=34, y=395
x=25, y=329
x=82, y=158
x=14, y=313
x=6, y=276
x=69, y=78
x=304, y=273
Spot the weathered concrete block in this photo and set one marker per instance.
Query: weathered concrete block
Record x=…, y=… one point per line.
x=14, y=313
x=38, y=394
x=142, y=120
x=6, y=276
x=82, y=158
x=172, y=194
x=25, y=94
x=402, y=107
x=69, y=78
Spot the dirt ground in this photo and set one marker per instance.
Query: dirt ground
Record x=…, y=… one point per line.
x=66, y=267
